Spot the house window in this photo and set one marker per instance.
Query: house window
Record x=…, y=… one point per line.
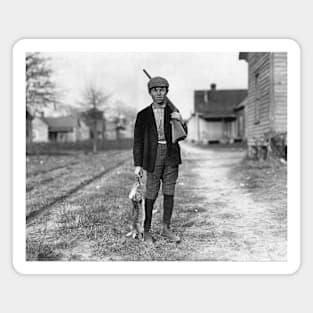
x=257, y=98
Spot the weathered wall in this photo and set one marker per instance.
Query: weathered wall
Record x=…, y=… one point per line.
x=239, y=124
x=202, y=130
x=192, y=129
x=280, y=92
x=39, y=130
x=259, y=96
x=83, y=132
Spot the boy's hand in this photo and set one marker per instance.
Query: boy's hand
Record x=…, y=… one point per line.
x=176, y=116
x=138, y=171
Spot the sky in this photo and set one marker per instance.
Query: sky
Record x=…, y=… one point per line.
x=121, y=75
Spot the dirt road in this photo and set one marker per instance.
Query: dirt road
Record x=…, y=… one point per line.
x=218, y=218
x=228, y=223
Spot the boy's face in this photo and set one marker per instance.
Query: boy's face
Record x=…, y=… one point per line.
x=158, y=94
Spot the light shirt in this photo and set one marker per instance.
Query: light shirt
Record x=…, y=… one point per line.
x=159, y=120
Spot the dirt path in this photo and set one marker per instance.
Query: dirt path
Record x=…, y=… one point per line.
x=228, y=224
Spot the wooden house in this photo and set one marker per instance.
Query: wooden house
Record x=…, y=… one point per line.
x=110, y=131
x=66, y=129
x=266, y=104
x=214, y=117
x=40, y=129
x=118, y=128
x=125, y=130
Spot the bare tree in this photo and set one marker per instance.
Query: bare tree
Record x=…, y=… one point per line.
x=94, y=99
x=40, y=89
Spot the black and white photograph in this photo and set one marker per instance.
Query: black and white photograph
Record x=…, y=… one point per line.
x=135, y=154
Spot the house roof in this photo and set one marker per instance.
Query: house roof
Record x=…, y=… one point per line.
x=61, y=123
x=242, y=104
x=243, y=55
x=218, y=103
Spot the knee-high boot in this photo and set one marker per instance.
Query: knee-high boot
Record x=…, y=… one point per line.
x=148, y=214
x=168, y=204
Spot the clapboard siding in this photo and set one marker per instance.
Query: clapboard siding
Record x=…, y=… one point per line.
x=269, y=97
x=280, y=92
x=259, y=64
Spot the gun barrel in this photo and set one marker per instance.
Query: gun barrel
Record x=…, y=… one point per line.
x=148, y=75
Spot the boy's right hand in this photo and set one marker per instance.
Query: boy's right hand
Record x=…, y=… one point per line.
x=138, y=171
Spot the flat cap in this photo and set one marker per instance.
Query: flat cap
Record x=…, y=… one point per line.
x=157, y=82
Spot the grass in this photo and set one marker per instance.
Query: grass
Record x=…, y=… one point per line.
x=65, y=175
x=266, y=183
x=69, y=148
x=100, y=217
x=92, y=223
x=265, y=180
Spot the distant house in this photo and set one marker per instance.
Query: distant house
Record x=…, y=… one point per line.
x=126, y=130
x=266, y=104
x=214, y=117
x=100, y=129
x=40, y=129
x=94, y=119
x=117, y=128
x=66, y=129
x=110, y=130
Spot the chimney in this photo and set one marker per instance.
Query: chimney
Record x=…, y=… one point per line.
x=213, y=87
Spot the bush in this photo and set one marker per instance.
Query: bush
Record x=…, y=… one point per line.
x=279, y=146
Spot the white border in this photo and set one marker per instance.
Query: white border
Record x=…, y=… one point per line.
x=155, y=45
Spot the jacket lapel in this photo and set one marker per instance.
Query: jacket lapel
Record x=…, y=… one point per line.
x=151, y=121
x=167, y=124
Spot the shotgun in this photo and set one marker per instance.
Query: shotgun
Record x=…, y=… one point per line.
x=178, y=131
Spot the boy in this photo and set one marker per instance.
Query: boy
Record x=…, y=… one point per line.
x=154, y=152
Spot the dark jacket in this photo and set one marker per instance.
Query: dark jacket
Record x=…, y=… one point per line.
x=146, y=140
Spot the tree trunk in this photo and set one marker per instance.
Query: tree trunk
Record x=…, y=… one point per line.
x=94, y=145
x=94, y=139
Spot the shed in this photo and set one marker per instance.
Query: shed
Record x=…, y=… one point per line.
x=66, y=128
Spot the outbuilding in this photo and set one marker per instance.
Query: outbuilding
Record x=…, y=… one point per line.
x=214, y=117
x=66, y=129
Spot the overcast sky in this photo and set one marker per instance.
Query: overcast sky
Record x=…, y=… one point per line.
x=121, y=74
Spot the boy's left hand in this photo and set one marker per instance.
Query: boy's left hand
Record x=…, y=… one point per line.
x=176, y=116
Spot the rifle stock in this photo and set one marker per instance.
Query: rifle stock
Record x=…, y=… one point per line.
x=178, y=130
